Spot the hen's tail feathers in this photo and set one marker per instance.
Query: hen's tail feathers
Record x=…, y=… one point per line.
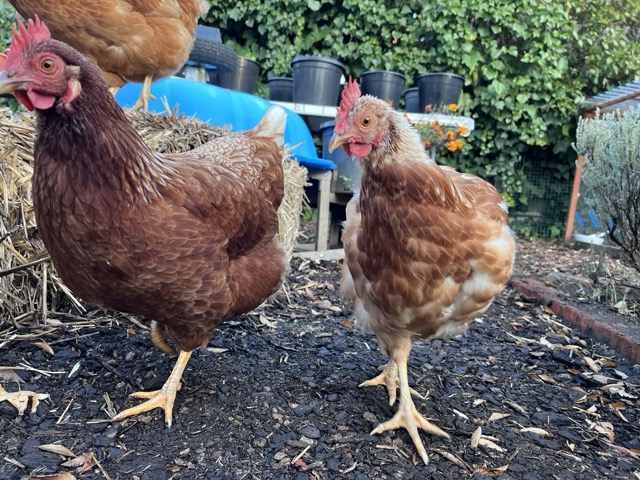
x=272, y=124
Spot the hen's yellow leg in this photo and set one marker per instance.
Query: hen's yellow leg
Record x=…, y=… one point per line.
x=145, y=95
x=388, y=378
x=162, y=398
x=407, y=416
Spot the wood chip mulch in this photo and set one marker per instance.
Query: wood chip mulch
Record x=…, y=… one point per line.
x=274, y=395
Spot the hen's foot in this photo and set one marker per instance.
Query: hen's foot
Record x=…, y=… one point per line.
x=407, y=417
x=163, y=398
x=145, y=95
x=389, y=378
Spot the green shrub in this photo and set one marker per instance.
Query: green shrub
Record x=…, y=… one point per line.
x=610, y=143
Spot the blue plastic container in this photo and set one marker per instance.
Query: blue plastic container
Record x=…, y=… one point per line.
x=221, y=107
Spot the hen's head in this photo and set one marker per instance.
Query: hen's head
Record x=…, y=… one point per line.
x=39, y=71
x=362, y=122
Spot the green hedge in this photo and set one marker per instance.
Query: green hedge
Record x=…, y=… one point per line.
x=526, y=66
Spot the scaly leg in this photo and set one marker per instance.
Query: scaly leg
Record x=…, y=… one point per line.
x=407, y=416
x=162, y=398
x=145, y=95
x=388, y=378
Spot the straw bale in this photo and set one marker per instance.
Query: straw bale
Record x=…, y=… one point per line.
x=31, y=290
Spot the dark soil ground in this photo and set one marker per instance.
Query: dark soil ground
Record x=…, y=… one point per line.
x=275, y=394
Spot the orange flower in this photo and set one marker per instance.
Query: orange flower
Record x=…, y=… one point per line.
x=459, y=143
x=452, y=146
x=427, y=144
x=450, y=135
x=427, y=108
x=462, y=129
x=453, y=107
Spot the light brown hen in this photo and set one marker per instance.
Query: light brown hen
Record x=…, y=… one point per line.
x=427, y=249
x=187, y=240
x=130, y=40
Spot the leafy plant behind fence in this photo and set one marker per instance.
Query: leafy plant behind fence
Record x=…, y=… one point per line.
x=610, y=143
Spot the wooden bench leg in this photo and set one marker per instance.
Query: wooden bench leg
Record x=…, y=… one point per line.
x=324, y=194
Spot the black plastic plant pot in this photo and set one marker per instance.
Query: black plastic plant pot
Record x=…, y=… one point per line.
x=316, y=80
x=438, y=89
x=243, y=78
x=412, y=100
x=281, y=89
x=386, y=85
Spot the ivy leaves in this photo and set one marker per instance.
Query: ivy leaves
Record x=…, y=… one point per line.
x=525, y=63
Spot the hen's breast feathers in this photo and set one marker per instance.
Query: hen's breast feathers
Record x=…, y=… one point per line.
x=428, y=249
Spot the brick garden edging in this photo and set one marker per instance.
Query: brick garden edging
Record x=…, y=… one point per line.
x=617, y=336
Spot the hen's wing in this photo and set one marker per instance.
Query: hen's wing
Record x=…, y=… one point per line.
x=128, y=39
x=196, y=248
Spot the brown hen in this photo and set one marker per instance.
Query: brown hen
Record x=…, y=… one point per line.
x=186, y=240
x=427, y=249
x=130, y=40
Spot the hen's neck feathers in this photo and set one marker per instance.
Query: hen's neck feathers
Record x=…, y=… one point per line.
x=93, y=139
x=401, y=166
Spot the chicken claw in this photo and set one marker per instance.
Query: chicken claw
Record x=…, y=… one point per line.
x=389, y=378
x=163, y=398
x=407, y=416
x=145, y=95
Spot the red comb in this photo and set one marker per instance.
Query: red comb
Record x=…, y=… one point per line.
x=35, y=32
x=350, y=95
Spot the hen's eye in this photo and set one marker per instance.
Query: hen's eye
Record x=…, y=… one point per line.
x=47, y=65
x=366, y=121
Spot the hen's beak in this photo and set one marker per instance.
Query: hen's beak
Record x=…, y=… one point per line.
x=10, y=84
x=338, y=140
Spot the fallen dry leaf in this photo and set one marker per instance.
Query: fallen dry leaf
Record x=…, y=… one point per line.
x=603, y=428
x=621, y=374
x=44, y=346
x=624, y=451
x=59, y=449
x=498, y=416
x=460, y=414
x=475, y=438
x=591, y=363
x=517, y=407
x=20, y=399
x=346, y=323
x=265, y=321
x=538, y=431
x=547, y=379
x=489, y=444
x=10, y=376
x=217, y=350
x=618, y=413
x=492, y=472
x=75, y=462
x=54, y=476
